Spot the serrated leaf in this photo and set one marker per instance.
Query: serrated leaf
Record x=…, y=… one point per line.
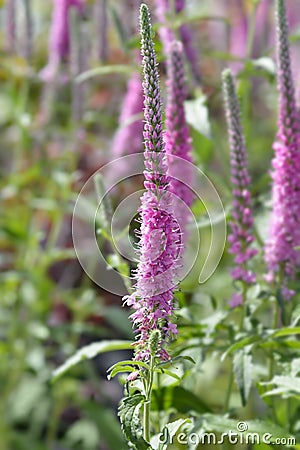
x=196, y=114
x=284, y=385
x=89, y=352
x=130, y=421
x=167, y=434
x=242, y=368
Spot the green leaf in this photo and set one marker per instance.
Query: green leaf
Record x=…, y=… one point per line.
x=125, y=366
x=167, y=434
x=129, y=362
x=183, y=400
x=175, y=360
x=118, y=23
x=242, y=368
x=108, y=426
x=89, y=352
x=105, y=70
x=120, y=369
x=222, y=424
x=281, y=302
x=25, y=398
x=130, y=421
x=241, y=344
x=85, y=433
x=168, y=372
x=196, y=114
x=285, y=386
x=287, y=331
x=266, y=64
x=295, y=367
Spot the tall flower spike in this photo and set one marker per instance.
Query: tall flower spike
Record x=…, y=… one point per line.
x=280, y=253
x=167, y=35
x=59, y=43
x=177, y=137
x=10, y=21
x=186, y=36
x=160, y=239
x=241, y=236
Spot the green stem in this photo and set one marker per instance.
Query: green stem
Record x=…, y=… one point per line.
x=147, y=420
x=244, y=307
x=272, y=361
x=251, y=33
x=147, y=403
x=228, y=392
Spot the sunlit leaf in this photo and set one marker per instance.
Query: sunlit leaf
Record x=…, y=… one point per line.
x=130, y=421
x=89, y=352
x=106, y=70
x=196, y=113
x=242, y=367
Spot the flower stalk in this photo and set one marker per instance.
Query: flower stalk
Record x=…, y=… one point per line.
x=281, y=254
x=241, y=236
x=177, y=136
x=160, y=238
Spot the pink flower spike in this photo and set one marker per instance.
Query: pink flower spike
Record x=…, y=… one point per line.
x=160, y=237
x=281, y=255
x=241, y=235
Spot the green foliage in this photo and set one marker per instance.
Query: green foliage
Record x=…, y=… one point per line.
x=183, y=400
x=168, y=432
x=130, y=421
x=242, y=368
x=196, y=113
x=89, y=352
x=221, y=424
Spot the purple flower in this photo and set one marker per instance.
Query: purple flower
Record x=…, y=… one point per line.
x=59, y=44
x=238, y=33
x=281, y=254
x=101, y=25
x=177, y=137
x=241, y=235
x=186, y=36
x=160, y=238
x=167, y=35
x=128, y=138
